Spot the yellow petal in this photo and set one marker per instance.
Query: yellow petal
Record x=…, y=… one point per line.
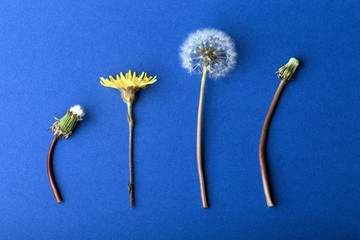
x=122, y=75
x=128, y=75
x=145, y=84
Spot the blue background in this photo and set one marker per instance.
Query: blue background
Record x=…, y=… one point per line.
x=52, y=55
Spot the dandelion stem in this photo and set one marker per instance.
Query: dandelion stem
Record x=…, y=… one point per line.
x=262, y=147
x=131, y=171
x=198, y=142
x=50, y=170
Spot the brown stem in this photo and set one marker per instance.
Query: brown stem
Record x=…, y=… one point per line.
x=131, y=171
x=198, y=143
x=262, y=147
x=50, y=171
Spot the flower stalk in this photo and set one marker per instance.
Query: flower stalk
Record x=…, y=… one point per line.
x=50, y=173
x=198, y=142
x=285, y=73
x=131, y=171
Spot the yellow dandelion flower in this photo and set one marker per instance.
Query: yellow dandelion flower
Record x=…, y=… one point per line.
x=128, y=81
x=129, y=85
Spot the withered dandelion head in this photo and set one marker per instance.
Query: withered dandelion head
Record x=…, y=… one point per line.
x=287, y=71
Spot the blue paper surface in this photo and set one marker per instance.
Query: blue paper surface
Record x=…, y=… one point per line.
x=52, y=56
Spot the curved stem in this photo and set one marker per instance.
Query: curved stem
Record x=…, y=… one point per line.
x=198, y=143
x=262, y=147
x=131, y=171
x=50, y=170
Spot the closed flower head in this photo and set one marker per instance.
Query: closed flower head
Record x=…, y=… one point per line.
x=128, y=84
x=64, y=126
x=210, y=49
x=286, y=72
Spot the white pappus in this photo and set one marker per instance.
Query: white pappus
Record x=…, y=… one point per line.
x=77, y=110
x=211, y=48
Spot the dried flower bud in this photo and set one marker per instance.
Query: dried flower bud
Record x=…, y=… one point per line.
x=286, y=72
x=64, y=126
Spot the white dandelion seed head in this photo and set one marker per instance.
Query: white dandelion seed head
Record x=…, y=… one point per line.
x=211, y=48
x=77, y=110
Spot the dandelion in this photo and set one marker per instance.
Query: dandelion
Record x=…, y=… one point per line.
x=129, y=85
x=285, y=73
x=209, y=52
x=63, y=127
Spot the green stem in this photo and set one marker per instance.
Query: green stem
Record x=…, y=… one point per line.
x=131, y=171
x=198, y=143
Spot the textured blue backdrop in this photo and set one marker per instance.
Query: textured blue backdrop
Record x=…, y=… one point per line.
x=51, y=57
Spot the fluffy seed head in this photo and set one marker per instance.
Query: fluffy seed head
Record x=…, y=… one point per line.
x=211, y=48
